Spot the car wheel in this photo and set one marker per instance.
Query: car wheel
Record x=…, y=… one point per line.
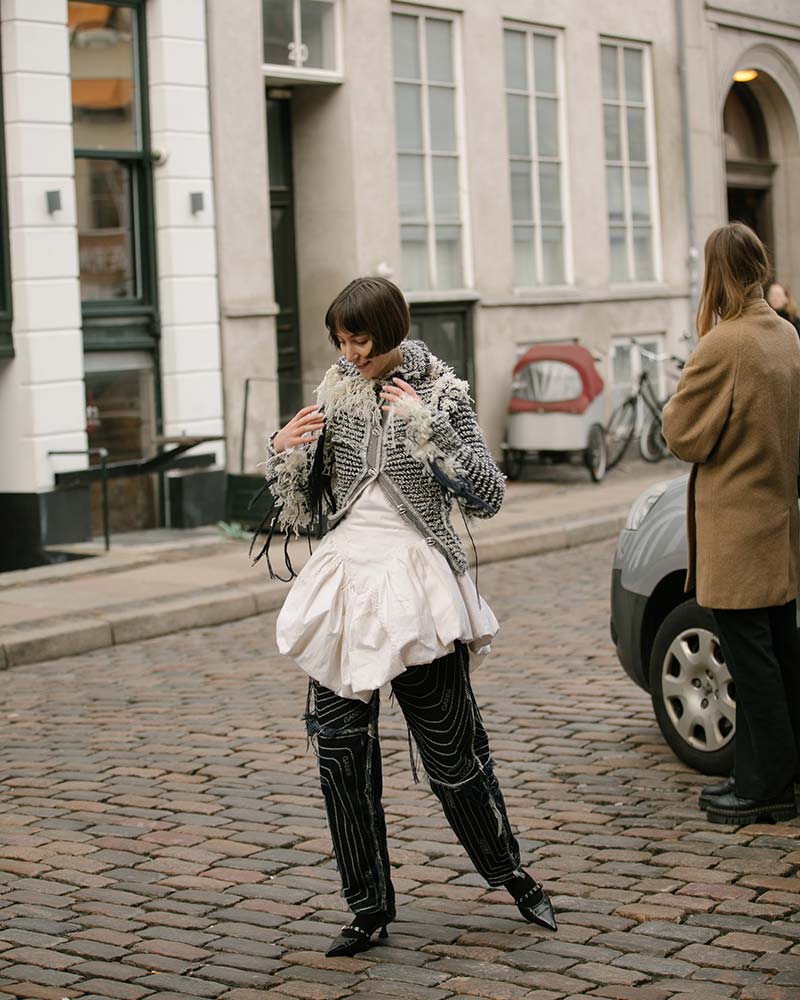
x=692, y=690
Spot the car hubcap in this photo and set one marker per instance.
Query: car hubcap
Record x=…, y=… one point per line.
x=698, y=690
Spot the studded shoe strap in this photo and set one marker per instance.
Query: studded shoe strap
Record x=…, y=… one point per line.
x=534, y=890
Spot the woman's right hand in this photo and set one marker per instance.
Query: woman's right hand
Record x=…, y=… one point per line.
x=304, y=427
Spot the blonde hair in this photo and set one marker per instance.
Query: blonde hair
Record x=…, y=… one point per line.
x=736, y=270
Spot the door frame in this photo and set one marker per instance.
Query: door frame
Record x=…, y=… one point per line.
x=422, y=310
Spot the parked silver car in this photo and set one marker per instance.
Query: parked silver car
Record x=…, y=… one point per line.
x=665, y=641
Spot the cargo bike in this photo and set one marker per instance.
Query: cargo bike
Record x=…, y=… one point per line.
x=556, y=411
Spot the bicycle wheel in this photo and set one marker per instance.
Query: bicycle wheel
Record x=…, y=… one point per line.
x=652, y=445
x=620, y=431
x=595, y=456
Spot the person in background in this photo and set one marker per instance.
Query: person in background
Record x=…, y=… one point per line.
x=780, y=298
x=736, y=417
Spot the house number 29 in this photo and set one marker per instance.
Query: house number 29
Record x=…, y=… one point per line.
x=298, y=53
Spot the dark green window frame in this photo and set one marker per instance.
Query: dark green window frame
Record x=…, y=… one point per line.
x=6, y=343
x=130, y=324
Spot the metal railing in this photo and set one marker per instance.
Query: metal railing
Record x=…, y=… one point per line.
x=262, y=378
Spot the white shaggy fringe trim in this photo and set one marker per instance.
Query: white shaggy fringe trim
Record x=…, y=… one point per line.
x=420, y=443
x=291, y=469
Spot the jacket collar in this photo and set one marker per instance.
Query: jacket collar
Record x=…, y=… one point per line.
x=415, y=365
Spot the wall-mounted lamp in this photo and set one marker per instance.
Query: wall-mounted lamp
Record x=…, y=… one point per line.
x=196, y=202
x=745, y=75
x=53, y=201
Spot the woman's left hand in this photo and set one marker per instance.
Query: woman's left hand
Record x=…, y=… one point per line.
x=398, y=396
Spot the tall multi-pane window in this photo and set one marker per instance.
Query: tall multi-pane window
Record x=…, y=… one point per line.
x=113, y=173
x=533, y=112
x=630, y=171
x=429, y=164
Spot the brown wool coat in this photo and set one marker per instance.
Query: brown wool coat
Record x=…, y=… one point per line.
x=736, y=416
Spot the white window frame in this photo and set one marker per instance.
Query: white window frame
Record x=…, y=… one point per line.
x=422, y=14
x=650, y=341
x=620, y=44
x=530, y=30
x=298, y=72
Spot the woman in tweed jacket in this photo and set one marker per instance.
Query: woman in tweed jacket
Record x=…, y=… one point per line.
x=386, y=599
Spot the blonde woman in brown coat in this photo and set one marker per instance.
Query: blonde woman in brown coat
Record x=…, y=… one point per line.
x=736, y=417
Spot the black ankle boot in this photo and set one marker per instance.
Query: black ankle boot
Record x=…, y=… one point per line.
x=734, y=810
x=709, y=792
x=358, y=935
x=532, y=901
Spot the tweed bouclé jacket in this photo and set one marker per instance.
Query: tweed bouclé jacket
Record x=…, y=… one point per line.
x=361, y=444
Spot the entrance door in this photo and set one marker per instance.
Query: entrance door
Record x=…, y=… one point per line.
x=284, y=265
x=751, y=205
x=748, y=165
x=120, y=417
x=447, y=329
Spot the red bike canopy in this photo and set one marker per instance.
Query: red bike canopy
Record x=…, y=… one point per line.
x=543, y=384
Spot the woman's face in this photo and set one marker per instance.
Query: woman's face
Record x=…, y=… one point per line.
x=776, y=296
x=356, y=348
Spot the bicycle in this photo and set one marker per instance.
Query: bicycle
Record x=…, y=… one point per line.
x=622, y=425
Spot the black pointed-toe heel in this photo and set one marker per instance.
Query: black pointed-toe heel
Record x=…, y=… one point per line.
x=532, y=901
x=357, y=937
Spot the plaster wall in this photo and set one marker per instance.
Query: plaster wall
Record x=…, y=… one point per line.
x=505, y=331
x=244, y=243
x=587, y=307
x=42, y=401
x=191, y=363
x=345, y=174
x=326, y=206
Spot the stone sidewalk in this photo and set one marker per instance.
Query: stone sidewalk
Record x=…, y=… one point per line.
x=154, y=587
x=163, y=837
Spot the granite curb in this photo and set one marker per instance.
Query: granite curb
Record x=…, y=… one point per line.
x=203, y=607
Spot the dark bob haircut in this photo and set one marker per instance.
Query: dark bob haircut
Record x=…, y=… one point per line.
x=372, y=306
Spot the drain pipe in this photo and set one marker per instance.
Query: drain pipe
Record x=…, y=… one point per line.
x=687, y=169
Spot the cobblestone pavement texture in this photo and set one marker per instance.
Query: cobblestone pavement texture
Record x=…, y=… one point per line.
x=163, y=836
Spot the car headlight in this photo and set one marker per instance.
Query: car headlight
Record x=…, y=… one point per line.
x=643, y=504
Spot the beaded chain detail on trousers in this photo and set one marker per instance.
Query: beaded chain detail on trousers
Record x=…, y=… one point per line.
x=439, y=707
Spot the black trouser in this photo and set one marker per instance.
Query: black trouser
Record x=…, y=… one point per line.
x=761, y=651
x=439, y=707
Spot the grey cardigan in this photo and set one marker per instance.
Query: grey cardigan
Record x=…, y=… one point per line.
x=357, y=450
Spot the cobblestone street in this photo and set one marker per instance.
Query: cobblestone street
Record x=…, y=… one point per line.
x=162, y=834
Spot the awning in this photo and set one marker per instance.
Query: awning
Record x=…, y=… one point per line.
x=102, y=94
x=88, y=15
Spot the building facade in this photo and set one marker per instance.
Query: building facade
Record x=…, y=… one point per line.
x=527, y=171
x=185, y=185
x=112, y=333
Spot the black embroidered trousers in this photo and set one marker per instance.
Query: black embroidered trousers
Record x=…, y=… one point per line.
x=443, y=718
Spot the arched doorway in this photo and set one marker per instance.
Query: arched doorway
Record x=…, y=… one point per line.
x=761, y=140
x=748, y=164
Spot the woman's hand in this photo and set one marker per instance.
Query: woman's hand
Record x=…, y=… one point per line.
x=305, y=426
x=398, y=397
